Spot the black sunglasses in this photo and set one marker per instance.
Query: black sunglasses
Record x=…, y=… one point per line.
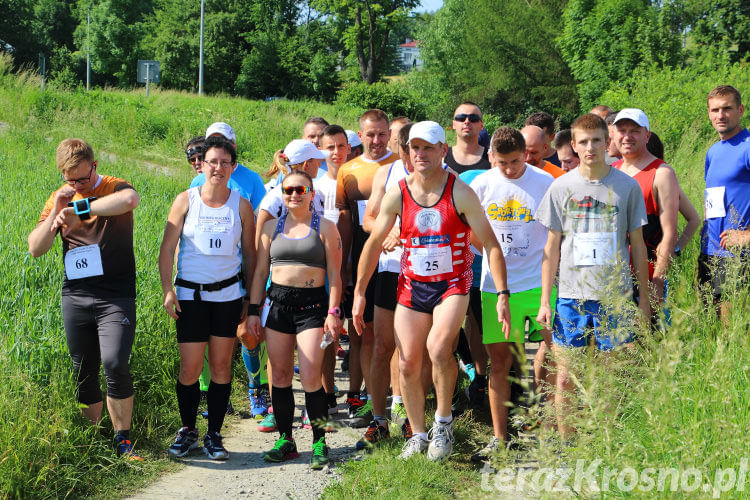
x=194, y=153
x=473, y=117
x=296, y=189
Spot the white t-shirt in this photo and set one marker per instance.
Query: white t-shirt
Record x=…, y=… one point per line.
x=510, y=206
x=273, y=203
x=326, y=187
x=391, y=261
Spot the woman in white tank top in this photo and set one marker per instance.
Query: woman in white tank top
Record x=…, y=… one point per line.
x=215, y=229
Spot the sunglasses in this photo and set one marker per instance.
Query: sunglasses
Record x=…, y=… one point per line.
x=296, y=189
x=194, y=154
x=473, y=117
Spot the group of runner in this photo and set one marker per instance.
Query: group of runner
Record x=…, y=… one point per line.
x=526, y=235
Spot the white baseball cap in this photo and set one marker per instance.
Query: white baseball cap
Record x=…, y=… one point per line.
x=428, y=131
x=353, y=138
x=634, y=114
x=223, y=129
x=301, y=150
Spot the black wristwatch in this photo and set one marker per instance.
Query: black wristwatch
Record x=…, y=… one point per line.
x=504, y=292
x=82, y=207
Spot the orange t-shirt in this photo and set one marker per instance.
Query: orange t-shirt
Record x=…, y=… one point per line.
x=354, y=183
x=113, y=235
x=552, y=169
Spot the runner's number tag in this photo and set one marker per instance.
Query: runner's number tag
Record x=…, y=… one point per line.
x=83, y=262
x=431, y=261
x=715, y=202
x=361, y=206
x=513, y=237
x=264, y=311
x=594, y=249
x=213, y=237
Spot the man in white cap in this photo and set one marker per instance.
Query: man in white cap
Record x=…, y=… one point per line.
x=661, y=193
x=355, y=145
x=248, y=183
x=438, y=217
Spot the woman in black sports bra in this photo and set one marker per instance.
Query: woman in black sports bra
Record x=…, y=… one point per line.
x=304, y=249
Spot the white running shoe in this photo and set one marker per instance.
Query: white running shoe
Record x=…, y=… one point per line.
x=413, y=446
x=441, y=441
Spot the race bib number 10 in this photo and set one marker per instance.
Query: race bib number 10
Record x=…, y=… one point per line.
x=431, y=261
x=83, y=262
x=213, y=243
x=594, y=249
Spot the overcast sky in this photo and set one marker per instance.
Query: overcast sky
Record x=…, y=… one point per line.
x=430, y=5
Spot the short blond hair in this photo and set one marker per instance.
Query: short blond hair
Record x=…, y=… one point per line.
x=71, y=153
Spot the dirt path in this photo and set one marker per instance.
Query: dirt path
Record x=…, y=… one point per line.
x=246, y=474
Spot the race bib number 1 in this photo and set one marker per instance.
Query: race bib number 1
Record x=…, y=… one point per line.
x=431, y=261
x=715, y=202
x=594, y=249
x=83, y=262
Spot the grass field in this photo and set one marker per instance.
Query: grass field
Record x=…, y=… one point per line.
x=680, y=400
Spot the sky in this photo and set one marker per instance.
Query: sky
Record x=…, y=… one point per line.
x=429, y=5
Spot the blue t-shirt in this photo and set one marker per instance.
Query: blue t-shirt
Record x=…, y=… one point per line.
x=727, y=170
x=476, y=265
x=248, y=183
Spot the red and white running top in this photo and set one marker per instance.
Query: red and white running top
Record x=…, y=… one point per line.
x=435, y=239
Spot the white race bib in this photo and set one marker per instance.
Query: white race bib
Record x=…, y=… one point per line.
x=264, y=311
x=594, y=249
x=512, y=237
x=715, y=202
x=361, y=206
x=213, y=237
x=431, y=261
x=83, y=262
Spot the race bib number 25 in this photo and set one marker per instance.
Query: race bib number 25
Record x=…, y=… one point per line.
x=431, y=261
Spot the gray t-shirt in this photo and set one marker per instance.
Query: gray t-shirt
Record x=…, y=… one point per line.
x=594, y=218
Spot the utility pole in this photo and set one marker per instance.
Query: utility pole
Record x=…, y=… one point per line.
x=88, y=51
x=200, y=57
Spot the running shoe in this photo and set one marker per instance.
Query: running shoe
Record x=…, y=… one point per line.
x=375, y=432
x=441, y=441
x=475, y=394
x=343, y=338
x=352, y=406
x=340, y=353
x=363, y=416
x=124, y=449
x=268, y=424
x=305, y=419
x=284, y=449
x=414, y=446
x=185, y=441
x=398, y=413
x=406, y=431
x=333, y=407
x=468, y=369
x=319, y=456
x=213, y=447
x=258, y=402
x=484, y=454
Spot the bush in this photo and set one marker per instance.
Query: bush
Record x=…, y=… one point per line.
x=394, y=98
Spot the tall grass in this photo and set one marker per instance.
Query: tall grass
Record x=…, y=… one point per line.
x=46, y=449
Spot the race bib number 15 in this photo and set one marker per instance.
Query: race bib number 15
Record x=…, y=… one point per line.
x=83, y=262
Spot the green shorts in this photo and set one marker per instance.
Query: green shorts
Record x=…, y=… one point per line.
x=523, y=306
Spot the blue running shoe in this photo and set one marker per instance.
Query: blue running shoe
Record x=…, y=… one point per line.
x=258, y=402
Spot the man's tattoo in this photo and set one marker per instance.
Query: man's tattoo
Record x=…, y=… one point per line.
x=309, y=284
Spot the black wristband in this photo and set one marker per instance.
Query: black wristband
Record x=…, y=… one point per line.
x=253, y=310
x=503, y=292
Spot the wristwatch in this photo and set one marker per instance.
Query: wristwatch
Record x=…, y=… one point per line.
x=677, y=251
x=82, y=207
x=336, y=311
x=504, y=292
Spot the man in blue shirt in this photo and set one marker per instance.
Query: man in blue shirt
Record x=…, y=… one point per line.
x=726, y=230
x=248, y=183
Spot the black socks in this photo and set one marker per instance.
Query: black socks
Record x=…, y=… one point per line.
x=317, y=410
x=188, y=398
x=216, y=401
x=283, y=409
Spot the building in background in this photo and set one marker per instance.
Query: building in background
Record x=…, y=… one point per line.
x=409, y=55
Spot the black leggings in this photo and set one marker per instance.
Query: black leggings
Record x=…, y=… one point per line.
x=100, y=332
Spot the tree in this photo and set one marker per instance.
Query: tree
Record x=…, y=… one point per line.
x=604, y=41
x=366, y=26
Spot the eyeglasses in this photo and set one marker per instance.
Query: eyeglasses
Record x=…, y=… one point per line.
x=80, y=180
x=296, y=189
x=217, y=163
x=473, y=117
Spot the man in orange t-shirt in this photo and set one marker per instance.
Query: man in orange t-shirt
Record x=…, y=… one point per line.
x=94, y=215
x=537, y=148
x=353, y=187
